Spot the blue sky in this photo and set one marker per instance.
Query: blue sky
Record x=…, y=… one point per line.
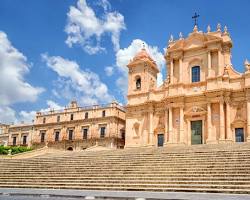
x=77, y=49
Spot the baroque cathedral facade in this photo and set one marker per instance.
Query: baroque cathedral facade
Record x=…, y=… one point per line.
x=203, y=100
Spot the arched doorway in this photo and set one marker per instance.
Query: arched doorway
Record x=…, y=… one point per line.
x=70, y=149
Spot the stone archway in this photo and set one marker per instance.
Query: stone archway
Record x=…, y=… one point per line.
x=70, y=149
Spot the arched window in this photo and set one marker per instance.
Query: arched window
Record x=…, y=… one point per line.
x=103, y=113
x=138, y=83
x=24, y=139
x=57, y=134
x=86, y=115
x=195, y=74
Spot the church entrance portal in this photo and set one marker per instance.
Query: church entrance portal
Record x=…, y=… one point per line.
x=196, y=132
x=239, y=135
x=160, y=138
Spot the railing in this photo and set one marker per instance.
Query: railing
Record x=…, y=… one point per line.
x=83, y=108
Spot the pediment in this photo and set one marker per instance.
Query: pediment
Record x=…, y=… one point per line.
x=238, y=123
x=194, y=40
x=194, y=110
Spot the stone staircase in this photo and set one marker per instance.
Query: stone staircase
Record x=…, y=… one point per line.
x=199, y=168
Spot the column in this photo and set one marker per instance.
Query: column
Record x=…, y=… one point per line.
x=182, y=138
x=63, y=133
x=78, y=132
x=170, y=125
x=19, y=139
x=248, y=120
x=189, y=132
x=221, y=68
x=209, y=63
x=151, y=127
x=228, y=121
x=209, y=123
x=180, y=70
x=172, y=71
x=222, y=120
x=166, y=126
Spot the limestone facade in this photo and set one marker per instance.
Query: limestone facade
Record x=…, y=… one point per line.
x=4, y=136
x=73, y=128
x=202, y=101
x=80, y=127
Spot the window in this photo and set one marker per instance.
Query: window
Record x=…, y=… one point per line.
x=103, y=129
x=42, y=137
x=85, y=133
x=70, y=134
x=44, y=120
x=58, y=118
x=239, y=135
x=103, y=113
x=24, y=139
x=57, y=134
x=14, y=141
x=123, y=135
x=138, y=83
x=195, y=74
x=86, y=115
x=72, y=117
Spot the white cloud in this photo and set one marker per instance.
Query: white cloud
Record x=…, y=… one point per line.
x=123, y=57
x=13, y=86
x=13, y=67
x=104, y=4
x=53, y=105
x=28, y=116
x=76, y=83
x=86, y=29
x=159, y=79
x=109, y=70
x=7, y=115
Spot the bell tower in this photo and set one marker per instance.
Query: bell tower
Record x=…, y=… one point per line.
x=142, y=75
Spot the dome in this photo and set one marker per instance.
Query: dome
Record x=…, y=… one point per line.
x=143, y=54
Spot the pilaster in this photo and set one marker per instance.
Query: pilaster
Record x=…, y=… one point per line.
x=248, y=119
x=209, y=63
x=180, y=70
x=229, y=137
x=182, y=137
x=170, y=125
x=166, y=127
x=222, y=121
x=172, y=71
x=211, y=139
x=151, y=132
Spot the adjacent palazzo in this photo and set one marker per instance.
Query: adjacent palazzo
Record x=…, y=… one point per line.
x=202, y=101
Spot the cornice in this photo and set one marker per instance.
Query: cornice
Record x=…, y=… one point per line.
x=90, y=120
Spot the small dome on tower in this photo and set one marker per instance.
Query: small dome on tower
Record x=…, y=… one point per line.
x=143, y=54
x=143, y=57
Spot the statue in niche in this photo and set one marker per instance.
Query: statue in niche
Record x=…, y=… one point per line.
x=136, y=129
x=239, y=112
x=160, y=122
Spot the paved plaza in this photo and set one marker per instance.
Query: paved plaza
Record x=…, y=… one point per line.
x=44, y=194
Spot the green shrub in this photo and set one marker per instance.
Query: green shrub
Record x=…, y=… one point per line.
x=14, y=150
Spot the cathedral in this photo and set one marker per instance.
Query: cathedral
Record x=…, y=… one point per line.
x=203, y=100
